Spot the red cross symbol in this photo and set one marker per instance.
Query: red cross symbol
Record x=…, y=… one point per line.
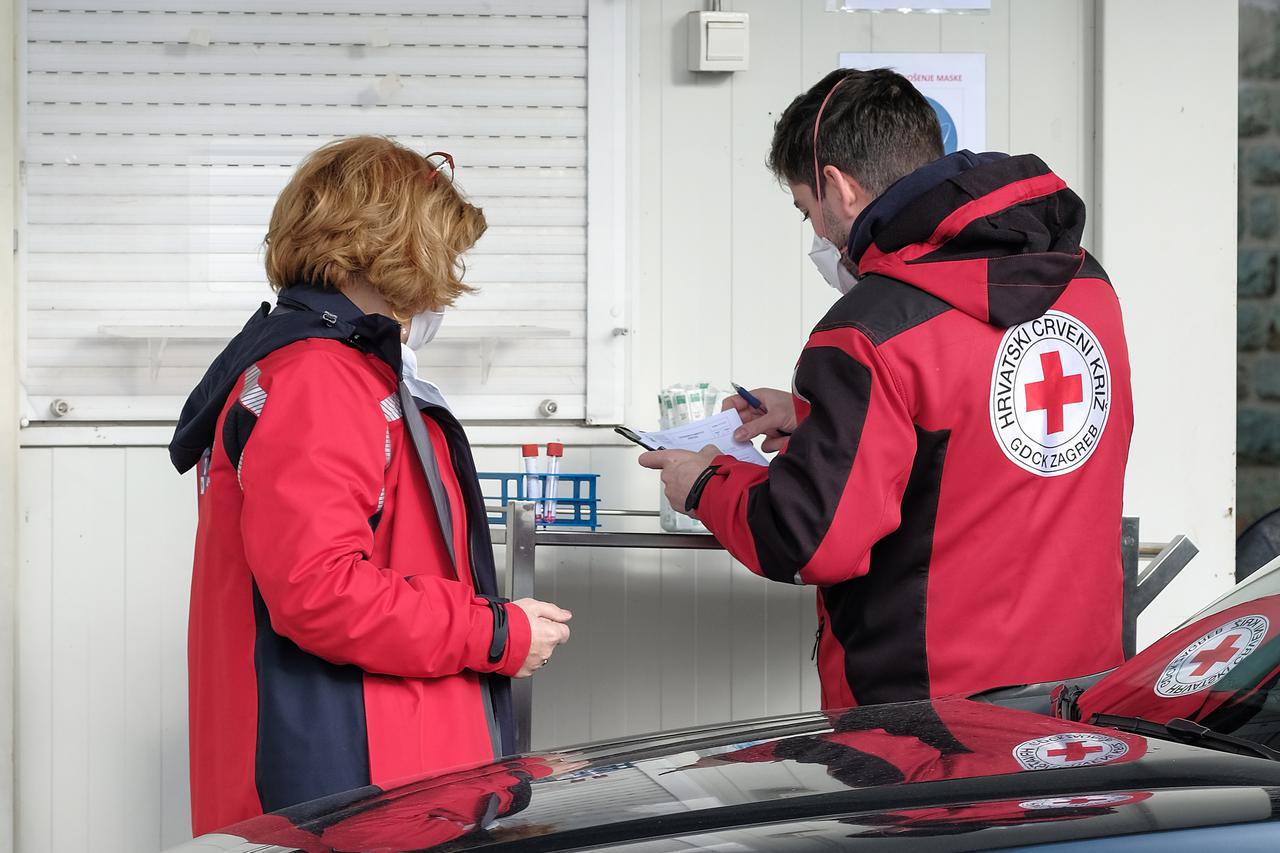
x=1074, y=751
x=1055, y=392
x=1220, y=653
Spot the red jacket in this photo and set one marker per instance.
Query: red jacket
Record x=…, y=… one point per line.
x=332, y=644
x=954, y=485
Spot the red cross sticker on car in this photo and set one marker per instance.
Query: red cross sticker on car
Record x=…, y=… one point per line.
x=1074, y=751
x=1054, y=392
x=1069, y=749
x=1212, y=657
x=1221, y=653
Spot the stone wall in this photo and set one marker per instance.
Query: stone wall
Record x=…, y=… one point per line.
x=1258, y=317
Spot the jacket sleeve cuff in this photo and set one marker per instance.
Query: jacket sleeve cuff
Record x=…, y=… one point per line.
x=722, y=507
x=519, y=639
x=480, y=639
x=724, y=460
x=711, y=505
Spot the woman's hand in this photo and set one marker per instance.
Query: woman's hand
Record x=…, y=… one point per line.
x=776, y=426
x=547, y=625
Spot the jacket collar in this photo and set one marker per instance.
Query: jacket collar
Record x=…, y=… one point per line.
x=321, y=300
x=372, y=333
x=997, y=237
x=326, y=300
x=900, y=194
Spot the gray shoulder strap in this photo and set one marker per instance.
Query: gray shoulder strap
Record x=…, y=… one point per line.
x=430, y=467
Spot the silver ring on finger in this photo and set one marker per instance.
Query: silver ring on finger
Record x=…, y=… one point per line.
x=545, y=661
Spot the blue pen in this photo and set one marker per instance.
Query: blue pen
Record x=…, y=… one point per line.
x=752, y=400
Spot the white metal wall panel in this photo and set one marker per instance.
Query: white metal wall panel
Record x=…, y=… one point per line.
x=159, y=133
x=101, y=651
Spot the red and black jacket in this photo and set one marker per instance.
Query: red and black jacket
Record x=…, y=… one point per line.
x=336, y=639
x=954, y=484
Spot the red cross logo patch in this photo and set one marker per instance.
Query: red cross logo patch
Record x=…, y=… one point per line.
x=1085, y=801
x=1208, y=660
x=1050, y=394
x=1070, y=749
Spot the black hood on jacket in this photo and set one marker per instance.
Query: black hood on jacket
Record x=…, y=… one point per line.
x=302, y=312
x=997, y=237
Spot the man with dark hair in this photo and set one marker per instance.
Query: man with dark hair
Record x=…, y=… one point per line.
x=952, y=454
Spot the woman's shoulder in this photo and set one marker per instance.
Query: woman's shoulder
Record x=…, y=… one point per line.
x=324, y=363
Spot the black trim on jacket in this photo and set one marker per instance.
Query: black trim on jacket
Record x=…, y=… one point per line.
x=791, y=511
x=879, y=619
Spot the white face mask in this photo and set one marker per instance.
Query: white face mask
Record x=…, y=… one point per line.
x=423, y=327
x=827, y=258
x=419, y=387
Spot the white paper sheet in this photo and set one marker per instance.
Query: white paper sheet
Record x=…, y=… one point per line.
x=717, y=430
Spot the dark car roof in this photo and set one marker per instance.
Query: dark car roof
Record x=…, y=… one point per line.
x=942, y=775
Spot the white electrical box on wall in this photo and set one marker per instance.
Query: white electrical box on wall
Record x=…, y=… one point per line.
x=718, y=41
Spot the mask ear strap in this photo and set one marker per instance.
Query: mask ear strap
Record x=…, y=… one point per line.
x=817, y=175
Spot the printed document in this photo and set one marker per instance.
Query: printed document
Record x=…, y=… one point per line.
x=717, y=430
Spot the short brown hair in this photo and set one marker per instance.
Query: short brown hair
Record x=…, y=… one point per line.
x=369, y=207
x=877, y=127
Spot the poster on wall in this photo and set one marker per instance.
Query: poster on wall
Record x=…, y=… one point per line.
x=955, y=84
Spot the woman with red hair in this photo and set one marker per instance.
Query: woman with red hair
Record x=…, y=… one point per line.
x=345, y=627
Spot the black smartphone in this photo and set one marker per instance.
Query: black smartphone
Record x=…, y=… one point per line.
x=630, y=435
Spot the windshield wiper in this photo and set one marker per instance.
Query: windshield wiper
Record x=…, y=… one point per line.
x=1186, y=731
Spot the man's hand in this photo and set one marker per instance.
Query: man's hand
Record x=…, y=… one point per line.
x=679, y=469
x=547, y=624
x=776, y=426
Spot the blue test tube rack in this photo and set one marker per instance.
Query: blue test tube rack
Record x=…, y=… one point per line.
x=581, y=496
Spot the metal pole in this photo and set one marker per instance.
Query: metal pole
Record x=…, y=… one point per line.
x=1129, y=552
x=1163, y=569
x=599, y=539
x=521, y=542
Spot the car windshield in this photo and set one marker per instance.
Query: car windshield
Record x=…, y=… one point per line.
x=1221, y=668
x=1265, y=581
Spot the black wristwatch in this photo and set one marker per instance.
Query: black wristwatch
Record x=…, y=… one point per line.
x=498, y=646
x=699, y=486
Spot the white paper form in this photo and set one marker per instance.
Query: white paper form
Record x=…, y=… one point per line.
x=717, y=430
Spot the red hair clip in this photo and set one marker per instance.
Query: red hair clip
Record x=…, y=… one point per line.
x=435, y=170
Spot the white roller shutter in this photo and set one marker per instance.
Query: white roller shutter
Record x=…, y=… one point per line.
x=158, y=133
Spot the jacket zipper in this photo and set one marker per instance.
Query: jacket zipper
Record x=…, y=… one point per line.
x=817, y=638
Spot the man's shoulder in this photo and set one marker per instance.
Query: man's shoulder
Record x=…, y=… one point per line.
x=1091, y=268
x=882, y=308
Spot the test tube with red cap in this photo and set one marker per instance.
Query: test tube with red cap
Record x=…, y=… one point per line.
x=532, y=477
x=555, y=451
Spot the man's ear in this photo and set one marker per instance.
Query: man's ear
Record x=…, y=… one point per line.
x=847, y=196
